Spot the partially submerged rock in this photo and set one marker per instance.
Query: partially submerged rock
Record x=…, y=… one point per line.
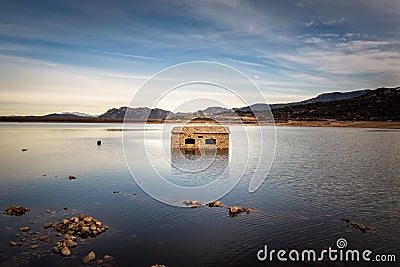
x=217, y=204
x=157, y=265
x=235, y=210
x=360, y=226
x=47, y=225
x=16, y=210
x=71, y=177
x=89, y=257
x=192, y=203
x=15, y=244
x=24, y=229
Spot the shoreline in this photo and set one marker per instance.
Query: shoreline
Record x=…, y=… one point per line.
x=294, y=123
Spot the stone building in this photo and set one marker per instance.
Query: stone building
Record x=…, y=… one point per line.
x=197, y=134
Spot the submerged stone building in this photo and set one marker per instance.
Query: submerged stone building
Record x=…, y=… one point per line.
x=199, y=134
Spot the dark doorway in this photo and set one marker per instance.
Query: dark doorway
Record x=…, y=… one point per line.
x=190, y=141
x=211, y=141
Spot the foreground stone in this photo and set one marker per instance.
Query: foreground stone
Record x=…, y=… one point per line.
x=157, y=265
x=235, y=210
x=89, y=257
x=16, y=210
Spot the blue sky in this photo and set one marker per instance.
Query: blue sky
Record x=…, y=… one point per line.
x=89, y=56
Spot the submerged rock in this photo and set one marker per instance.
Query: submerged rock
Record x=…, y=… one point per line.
x=24, y=229
x=89, y=257
x=16, y=210
x=362, y=227
x=47, y=225
x=235, y=210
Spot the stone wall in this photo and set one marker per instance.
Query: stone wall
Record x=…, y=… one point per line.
x=200, y=134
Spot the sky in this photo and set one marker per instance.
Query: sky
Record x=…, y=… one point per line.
x=89, y=56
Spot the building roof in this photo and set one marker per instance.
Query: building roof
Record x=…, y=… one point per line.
x=201, y=129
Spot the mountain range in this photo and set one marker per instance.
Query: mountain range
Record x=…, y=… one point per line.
x=367, y=104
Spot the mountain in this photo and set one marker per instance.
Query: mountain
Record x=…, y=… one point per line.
x=135, y=113
x=381, y=104
x=216, y=110
x=325, y=97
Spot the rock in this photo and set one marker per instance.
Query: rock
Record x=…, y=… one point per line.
x=48, y=211
x=47, y=225
x=192, y=203
x=56, y=250
x=15, y=244
x=71, y=177
x=24, y=149
x=100, y=261
x=16, y=210
x=108, y=257
x=71, y=244
x=81, y=216
x=363, y=228
x=235, y=210
x=65, y=208
x=17, y=235
x=44, y=239
x=89, y=257
x=157, y=265
x=215, y=204
x=99, y=143
x=23, y=239
x=24, y=229
x=65, y=251
x=34, y=246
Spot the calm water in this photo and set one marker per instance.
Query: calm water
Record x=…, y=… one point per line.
x=319, y=175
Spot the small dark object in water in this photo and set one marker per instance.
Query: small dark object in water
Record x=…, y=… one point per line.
x=24, y=149
x=65, y=208
x=71, y=177
x=99, y=143
x=115, y=192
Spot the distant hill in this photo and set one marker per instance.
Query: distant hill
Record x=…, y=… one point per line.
x=325, y=97
x=378, y=104
x=135, y=113
x=381, y=104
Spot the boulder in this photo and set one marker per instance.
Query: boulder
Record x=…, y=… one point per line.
x=89, y=257
x=65, y=251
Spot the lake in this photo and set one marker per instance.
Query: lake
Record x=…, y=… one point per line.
x=318, y=176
